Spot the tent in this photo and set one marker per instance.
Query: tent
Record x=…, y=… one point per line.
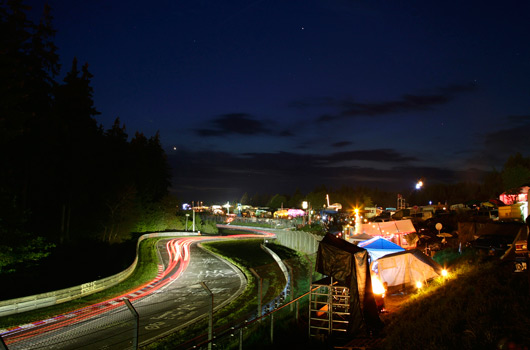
x=378, y=247
x=403, y=269
x=392, y=230
x=388, y=227
x=347, y=264
x=355, y=239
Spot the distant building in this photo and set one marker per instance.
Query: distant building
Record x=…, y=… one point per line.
x=514, y=198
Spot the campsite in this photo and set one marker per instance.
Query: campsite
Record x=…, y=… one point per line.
x=457, y=296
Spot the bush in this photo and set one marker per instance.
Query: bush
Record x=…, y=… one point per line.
x=484, y=306
x=314, y=228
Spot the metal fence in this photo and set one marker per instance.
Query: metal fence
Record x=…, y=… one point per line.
x=262, y=326
x=125, y=327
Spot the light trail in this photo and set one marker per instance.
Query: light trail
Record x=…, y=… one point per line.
x=178, y=250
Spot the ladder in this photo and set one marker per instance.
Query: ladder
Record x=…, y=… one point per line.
x=328, y=308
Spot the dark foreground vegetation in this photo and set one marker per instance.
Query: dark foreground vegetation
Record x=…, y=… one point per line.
x=486, y=306
x=145, y=271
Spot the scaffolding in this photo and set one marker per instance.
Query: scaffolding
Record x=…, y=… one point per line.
x=400, y=202
x=329, y=305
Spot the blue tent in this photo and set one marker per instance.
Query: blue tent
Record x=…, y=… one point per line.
x=378, y=247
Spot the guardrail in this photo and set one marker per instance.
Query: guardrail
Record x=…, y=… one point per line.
x=225, y=334
x=34, y=302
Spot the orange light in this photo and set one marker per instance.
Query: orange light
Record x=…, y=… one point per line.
x=444, y=272
x=377, y=286
x=419, y=284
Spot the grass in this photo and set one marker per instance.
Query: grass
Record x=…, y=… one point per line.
x=252, y=224
x=146, y=270
x=244, y=254
x=289, y=332
x=247, y=254
x=483, y=305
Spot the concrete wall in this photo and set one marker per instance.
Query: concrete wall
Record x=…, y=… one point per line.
x=298, y=240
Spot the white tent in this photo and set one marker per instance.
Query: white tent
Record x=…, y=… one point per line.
x=404, y=269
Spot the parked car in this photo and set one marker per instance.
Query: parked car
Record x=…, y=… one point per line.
x=493, y=244
x=521, y=255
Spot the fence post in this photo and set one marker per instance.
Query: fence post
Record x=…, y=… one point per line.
x=136, y=322
x=260, y=286
x=297, y=311
x=210, y=319
x=3, y=345
x=272, y=328
x=241, y=338
x=291, y=289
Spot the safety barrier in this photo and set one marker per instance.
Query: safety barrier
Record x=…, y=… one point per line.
x=34, y=302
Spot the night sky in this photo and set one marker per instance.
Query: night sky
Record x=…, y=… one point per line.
x=273, y=95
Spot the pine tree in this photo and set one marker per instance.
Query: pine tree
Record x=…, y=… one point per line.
x=28, y=65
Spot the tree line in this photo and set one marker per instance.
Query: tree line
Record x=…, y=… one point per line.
x=64, y=178
x=514, y=174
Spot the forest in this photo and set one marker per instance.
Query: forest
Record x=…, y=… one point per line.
x=63, y=178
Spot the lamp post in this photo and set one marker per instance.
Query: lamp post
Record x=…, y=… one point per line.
x=187, y=215
x=305, y=206
x=193, y=228
x=357, y=221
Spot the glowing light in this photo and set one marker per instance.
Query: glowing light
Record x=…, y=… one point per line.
x=419, y=285
x=444, y=272
x=179, y=258
x=377, y=286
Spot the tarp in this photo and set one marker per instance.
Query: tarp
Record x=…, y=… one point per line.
x=348, y=264
x=469, y=231
x=388, y=228
x=403, y=269
x=359, y=238
x=378, y=247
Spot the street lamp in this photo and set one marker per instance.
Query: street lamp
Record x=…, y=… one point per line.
x=305, y=206
x=187, y=221
x=419, y=184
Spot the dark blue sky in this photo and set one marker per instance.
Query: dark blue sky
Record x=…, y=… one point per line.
x=271, y=95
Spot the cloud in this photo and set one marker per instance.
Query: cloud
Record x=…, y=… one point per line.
x=341, y=144
x=215, y=176
x=349, y=108
x=375, y=155
x=242, y=124
x=509, y=140
x=498, y=145
x=519, y=119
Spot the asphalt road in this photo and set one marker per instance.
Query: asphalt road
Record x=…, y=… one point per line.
x=172, y=301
